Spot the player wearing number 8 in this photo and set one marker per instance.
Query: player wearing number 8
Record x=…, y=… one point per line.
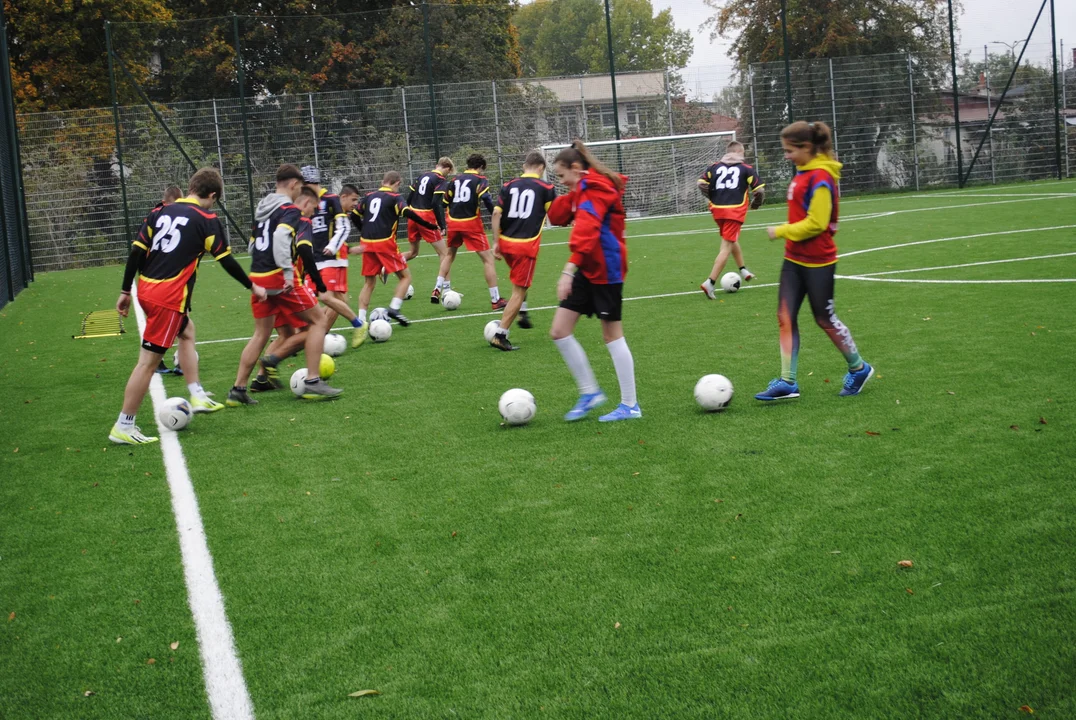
x=727, y=185
x=517, y=232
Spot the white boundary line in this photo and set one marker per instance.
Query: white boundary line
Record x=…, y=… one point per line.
x=956, y=282
x=225, y=687
x=957, y=237
x=963, y=265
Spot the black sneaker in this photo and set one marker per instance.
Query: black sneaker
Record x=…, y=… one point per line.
x=263, y=384
x=501, y=342
x=401, y=319
x=162, y=369
x=525, y=320
x=269, y=363
x=176, y=370
x=237, y=397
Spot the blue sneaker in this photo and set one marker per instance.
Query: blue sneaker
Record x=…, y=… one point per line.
x=854, y=381
x=779, y=389
x=584, y=405
x=622, y=412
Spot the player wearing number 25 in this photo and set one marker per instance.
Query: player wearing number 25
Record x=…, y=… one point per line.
x=727, y=185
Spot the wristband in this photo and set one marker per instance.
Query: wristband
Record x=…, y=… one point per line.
x=565, y=272
x=125, y=292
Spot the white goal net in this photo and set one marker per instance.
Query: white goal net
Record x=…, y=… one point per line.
x=661, y=171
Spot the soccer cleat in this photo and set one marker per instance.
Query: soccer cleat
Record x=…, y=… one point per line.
x=747, y=275
x=358, y=337
x=400, y=318
x=162, y=369
x=237, y=397
x=262, y=384
x=269, y=363
x=205, y=406
x=584, y=405
x=622, y=412
x=177, y=370
x=133, y=436
x=525, y=320
x=501, y=342
x=779, y=389
x=707, y=288
x=854, y=381
x=500, y=304
x=435, y=296
x=319, y=390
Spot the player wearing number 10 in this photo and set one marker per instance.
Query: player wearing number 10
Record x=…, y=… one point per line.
x=727, y=184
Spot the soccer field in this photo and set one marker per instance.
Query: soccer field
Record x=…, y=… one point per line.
x=686, y=565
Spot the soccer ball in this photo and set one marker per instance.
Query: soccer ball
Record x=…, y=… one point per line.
x=451, y=300
x=175, y=414
x=378, y=314
x=326, y=367
x=517, y=406
x=730, y=282
x=713, y=392
x=298, y=380
x=491, y=329
x=335, y=345
x=410, y=292
x=380, y=330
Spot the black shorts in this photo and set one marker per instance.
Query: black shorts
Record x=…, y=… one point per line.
x=589, y=298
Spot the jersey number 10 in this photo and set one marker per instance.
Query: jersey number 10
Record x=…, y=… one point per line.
x=522, y=203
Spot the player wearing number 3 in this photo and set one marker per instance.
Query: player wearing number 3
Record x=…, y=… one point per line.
x=727, y=184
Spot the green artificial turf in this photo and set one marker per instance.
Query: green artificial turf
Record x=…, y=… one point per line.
x=687, y=565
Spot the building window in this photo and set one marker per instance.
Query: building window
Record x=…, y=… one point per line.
x=602, y=115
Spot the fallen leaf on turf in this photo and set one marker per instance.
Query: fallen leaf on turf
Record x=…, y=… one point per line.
x=718, y=500
x=88, y=693
x=11, y=616
x=151, y=661
x=905, y=563
x=16, y=449
x=834, y=552
x=1042, y=421
x=616, y=626
x=909, y=591
x=826, y=380
x=118, y=639
x=810, y=373
x=642, y=442
x=175, y=645
x=898, y=401
x=363, y=693
x=637, y=474
x=950, y=392
x=926, y=318
x=1027, y=709
x=453, y=533
x=871, y=432
x=1014, y=427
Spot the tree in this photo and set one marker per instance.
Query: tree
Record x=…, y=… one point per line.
x=568, y=37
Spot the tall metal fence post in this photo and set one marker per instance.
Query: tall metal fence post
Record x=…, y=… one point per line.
x=429, y=76
x=497, y=130
x=833, y=103
x=220, y=153
x=313, y=130
x=956, y=99
x=989, y=112
x=1057, y=97
x=583, y=105
x=22, y=218
x=243, y=114
x=1064, y=108
x=116, y=123
x=754, y=127
x=407, y=133
x=915, y=139
x=668, y=102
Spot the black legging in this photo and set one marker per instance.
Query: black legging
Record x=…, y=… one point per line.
x=817, y=285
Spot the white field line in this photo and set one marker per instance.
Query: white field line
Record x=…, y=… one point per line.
x=963, y=265
x=956, y=282
x=957, y=237
x=225, y=687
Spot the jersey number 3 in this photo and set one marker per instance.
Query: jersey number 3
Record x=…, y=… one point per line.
x=168, y=233
x=728, y=178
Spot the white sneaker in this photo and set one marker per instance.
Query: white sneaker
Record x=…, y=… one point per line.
x=707, y=288
x=132, y=436
x=747, y=275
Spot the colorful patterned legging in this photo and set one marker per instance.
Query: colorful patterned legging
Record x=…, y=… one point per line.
x=816, y=284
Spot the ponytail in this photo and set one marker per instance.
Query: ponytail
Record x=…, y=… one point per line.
x=815, y=134
x=580, y=153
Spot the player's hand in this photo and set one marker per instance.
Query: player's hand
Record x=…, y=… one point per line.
x=354, y=250
x=288, y=287
x=756, y=201
x=497, y=251
x=772, y=232
x=258, y=291
x=123, y=304
x=564, y=287
x=327, y=252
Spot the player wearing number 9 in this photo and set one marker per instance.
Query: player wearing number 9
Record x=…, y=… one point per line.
x=165, y=257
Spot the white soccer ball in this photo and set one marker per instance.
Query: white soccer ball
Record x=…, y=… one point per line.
x=410, y=292
x=517, y=406
x=451, y=300
x=491, y=329
x=713, y=392
x=379, y=314
x=176, y=413
x=335, y=345
x=380, y=330
x=298, y=380
x=730, y=282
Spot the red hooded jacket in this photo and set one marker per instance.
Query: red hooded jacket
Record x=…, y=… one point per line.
x=595, y=209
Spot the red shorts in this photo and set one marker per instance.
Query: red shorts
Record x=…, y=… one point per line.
x=335, y=279
x=293, y=302
x=289, y=320
x=730, y=229
x=416, y=232
x=372, y=262
x=475, y=240
x=522, y=268
x=163, y=325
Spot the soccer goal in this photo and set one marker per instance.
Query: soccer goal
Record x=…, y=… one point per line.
x=661, y=170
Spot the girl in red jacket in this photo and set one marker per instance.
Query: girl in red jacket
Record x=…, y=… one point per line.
x=811, y=258
x=593, y=280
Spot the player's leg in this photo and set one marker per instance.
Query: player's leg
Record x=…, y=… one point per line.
x=266, y=379
x=370, y=268
x=521, y=274
x=314, y=388
x=125, y=432
x=490, y=270
x=335, y=306
x=397, y=265
x=790, y=294
x=443, y=272
x=415, y=245
x=263, y=328
x=608, y=301
x=820, y=293
x=737, y=256
x=578, y=303
x=441, y=249
x=188, y=359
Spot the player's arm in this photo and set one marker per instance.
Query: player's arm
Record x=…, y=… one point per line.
x=410, y=194
x=283, y=237
x=585, y=239
x=483, y=195
x=818, y=215
x=136, y=259
x=495, y=223
x=217, y=246
x=412, y=216
x=758, y=195
x=704, y=183
x=560, y=210
x=343, y=229
x=439, y=207
x=306, y=252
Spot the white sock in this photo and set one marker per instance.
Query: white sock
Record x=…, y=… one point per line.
x=501, y=331
x=625, y=370
x=197, y=391
x=362, y=316
x=396, y=303
x=447, y=285
x=494, y=294
x=523, y=307
x=440, y=282
x=576, y=358
x=125, y=421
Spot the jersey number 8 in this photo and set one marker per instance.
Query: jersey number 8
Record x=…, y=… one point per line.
x=168, y=233
x=522, y=203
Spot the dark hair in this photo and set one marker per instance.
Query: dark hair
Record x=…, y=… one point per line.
x=391, y=178
x=446, y=163
x=205, y=182
x=476, y=162
x=580, y=153
x=171, y=194
x=309, y=192
x=349, y=189
x=816, y=134
x=287, y=171
x=534, y=159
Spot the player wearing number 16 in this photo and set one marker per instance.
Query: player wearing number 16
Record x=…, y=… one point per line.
x=727, y=185
x=463, y=195
x=165, y=257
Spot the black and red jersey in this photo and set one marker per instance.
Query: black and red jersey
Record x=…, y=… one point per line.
x=331, y=228
x=262, y=261
x=427, y=190
x=729, y=186
x=380, y=211
x=462, y=195
x=524, y=202
x=174, y=237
